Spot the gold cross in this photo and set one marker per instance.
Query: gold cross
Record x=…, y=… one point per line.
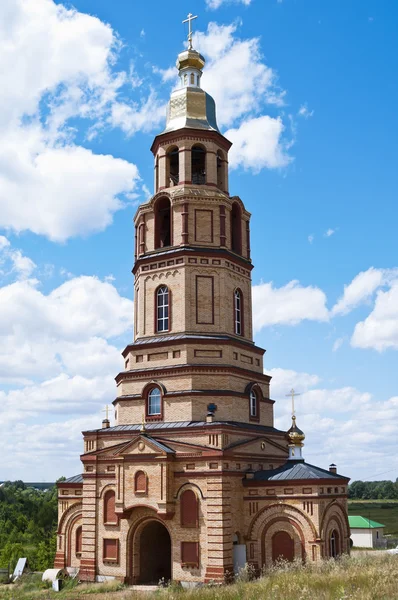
x=106, y=410
x=292, y=394
x=189, y=20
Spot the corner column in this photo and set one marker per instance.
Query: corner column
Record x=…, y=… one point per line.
x=219, y=526
x=88, y=562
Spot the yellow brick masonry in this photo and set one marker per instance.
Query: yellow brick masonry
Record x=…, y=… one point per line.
x=202, y=271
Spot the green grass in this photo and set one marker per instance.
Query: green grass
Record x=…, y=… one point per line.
x=382, y=511
x=367, y=577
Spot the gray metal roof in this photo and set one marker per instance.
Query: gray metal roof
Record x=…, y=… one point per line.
x=160, y=445
x=186, y=424
x=184, y=336
x=295, y=470
x=74, y=479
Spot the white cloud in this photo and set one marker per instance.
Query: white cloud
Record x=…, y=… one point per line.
x=305, y=112
x=310, y=238
x=342, y=425
x=337, y=344
x=46, y=450
x=283, y=380
x=287, y=305
x=362, y=287
x=138, y=117
x=329, y=232
x=63, y=331
x=380, y=329
x=19, y=265
x=247, y=83
x=56, y=64
x=214, y=4
x=258, y=144
x=61, y=394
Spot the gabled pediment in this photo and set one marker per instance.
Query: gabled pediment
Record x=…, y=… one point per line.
x=259, y=445
x=144, y=445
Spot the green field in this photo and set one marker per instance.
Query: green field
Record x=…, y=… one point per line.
x=382, y=511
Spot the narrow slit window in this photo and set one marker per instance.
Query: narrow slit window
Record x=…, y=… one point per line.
x=238, y=312
x=253, y=404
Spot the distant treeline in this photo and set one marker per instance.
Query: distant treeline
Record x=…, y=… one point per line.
x=28, y=523
x=42, y=485
x=373, y=490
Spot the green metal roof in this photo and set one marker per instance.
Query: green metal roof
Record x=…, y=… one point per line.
x=363, y=523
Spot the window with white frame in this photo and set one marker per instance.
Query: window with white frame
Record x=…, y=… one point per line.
x=253, y=404
x=238, y=312
x=162, y=309
x=154, y=402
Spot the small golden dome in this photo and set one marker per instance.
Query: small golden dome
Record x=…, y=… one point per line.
x=295, y=435
x=190, y=58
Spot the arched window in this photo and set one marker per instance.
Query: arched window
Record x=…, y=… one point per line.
x=79, y=540
x=173, y=167
x=220, y=171
x=238, y=312
x=236, y=228
x=185, y=79
x=189, y=509
x=162, y=309
x=254, y=405
x=198, y=161
x=192, y=79
x=162, y=223
x=334, y=544
x=109, y=507
x=154, y=404
x=140, y=483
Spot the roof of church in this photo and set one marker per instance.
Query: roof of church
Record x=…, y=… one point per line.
x=158, y=444
x=295, y=470
x=185, y=424
x=74, y=479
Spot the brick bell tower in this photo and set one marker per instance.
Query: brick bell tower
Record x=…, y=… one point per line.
x=193, y=480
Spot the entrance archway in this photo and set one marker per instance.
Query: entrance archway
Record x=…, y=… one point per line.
x=155, y=553
x=282, y=546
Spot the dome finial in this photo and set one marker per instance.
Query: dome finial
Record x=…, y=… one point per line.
x=189, y=21
x=295, y=435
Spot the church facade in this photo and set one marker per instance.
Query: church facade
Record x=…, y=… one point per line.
x=193, y=480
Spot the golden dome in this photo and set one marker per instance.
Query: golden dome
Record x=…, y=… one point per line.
x=295, y=435
x=189, y=105
x=190, y=58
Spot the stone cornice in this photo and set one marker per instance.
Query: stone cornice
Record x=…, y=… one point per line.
x=154, y=372
x=178, y=251
x=225, y=340
x=188, y=133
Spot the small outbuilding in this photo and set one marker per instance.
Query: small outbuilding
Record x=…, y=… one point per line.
x=366, y=533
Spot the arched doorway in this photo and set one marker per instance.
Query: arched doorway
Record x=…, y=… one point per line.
x=334, y=544
x=282, y=546
x=155, y=553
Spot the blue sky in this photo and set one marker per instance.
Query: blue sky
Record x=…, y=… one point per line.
x=306, y=91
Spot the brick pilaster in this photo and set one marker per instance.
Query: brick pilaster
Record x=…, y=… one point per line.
x=219, y=526
x=88, y=563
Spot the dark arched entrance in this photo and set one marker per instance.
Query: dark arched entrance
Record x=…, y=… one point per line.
x=282, y=546
x=155, y=553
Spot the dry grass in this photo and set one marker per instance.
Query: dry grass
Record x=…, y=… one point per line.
x=370, y=577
